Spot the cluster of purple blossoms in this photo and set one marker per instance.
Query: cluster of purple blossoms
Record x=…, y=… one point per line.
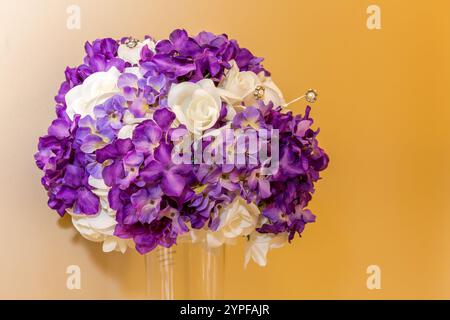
x=64, y=165
x=126, y=137
x=285, y=194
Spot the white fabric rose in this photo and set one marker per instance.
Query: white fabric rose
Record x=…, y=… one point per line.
x=134, y=70
x=196, y=105
x=126, y=132
x=129, y=124
x=259, y=244
x=133, y=55
x=239, y=87
x=95, y=90
x=237, y=219
x=100, y=227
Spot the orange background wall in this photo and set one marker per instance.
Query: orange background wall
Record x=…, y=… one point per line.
x=383, y=110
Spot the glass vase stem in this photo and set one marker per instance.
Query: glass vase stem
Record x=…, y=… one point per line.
x=212, y=266
x=185, y=271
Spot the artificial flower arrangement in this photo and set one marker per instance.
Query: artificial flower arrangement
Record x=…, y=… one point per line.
x=183, y=138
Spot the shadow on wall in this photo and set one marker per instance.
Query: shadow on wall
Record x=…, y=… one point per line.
x=126, y=272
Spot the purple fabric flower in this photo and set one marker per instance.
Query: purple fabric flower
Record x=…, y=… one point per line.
x=87, y=139
x=125, y=164
x=161, y=170
x=75, y=190
x=214, y=191
x=150, y=202
x=281, y=222
x=147, y=203
x=259, y=184
x=251, y=117
x=64, y=177
x=109, y=116
x=102, y=55
x=291, y=187
x=194, y=58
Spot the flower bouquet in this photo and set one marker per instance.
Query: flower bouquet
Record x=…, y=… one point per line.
x=185, y=138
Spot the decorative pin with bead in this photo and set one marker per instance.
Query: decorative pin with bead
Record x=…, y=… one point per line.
x=259, y=92
x=310, y=96
x=131, y=42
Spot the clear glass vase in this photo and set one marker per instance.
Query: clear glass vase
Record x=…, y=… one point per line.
x=185, y=271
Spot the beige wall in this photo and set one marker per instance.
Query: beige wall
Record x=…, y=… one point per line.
x=384, y=112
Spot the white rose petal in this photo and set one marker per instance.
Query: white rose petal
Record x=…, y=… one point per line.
x=259, y=244
x=130, y=123
x=94, y=227
x=97, y=183
x=237, y=219
x=133, y=55
x=197, y=235
x=100, y=189
x=126, y=132
x=271, y=91
x=238, y=87
x=196, y=105
x=215, y=239
x=128, y=118
x=134, y=70
x=100, y=227
x=116, y=244
x=95, y=90
x=256, y=248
